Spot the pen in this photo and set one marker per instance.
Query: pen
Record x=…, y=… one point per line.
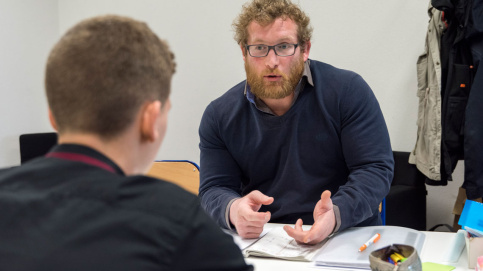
x=374, y=239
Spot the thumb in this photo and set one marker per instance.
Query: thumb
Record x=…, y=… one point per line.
x=325, y=202
x=325, y=197
x=258, y=197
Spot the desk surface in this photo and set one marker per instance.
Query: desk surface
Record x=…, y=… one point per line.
x=435, y=245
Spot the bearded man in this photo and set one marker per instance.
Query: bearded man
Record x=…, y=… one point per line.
x=299, y=141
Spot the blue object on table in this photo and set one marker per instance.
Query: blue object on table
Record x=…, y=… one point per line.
x=471, y=216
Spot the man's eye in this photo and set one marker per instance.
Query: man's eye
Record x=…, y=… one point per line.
x=260, y=47
x=283, y=46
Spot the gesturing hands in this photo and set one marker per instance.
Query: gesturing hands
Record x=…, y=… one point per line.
x=245, y=217
x=324, y=223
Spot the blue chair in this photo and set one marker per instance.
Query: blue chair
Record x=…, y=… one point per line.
x=383, y=211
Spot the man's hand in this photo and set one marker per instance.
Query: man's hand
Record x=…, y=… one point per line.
x=245, y=216
x=324, y=223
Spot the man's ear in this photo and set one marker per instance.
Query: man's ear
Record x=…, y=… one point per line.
x=52, y=120
x=244, y=52
x=307, y=50
x=149, y=121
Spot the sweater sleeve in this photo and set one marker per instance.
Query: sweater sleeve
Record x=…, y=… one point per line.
x=220, y=175
x=367, y=151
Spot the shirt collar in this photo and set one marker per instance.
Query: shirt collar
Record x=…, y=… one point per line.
x=307, y=73
x=260, y=105
x=87, y=155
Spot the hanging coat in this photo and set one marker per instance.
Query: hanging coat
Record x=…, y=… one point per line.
x=426, y=154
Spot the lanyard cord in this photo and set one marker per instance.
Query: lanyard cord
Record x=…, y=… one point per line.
x=81, y=158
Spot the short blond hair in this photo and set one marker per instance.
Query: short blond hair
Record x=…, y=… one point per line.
x=102, y=71
x=265, y=12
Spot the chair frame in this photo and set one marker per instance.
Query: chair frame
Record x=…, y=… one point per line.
x=186, y=177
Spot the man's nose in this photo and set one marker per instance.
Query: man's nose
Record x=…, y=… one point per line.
x=271, y=60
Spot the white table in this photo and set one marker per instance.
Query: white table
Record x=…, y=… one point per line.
x=435, y=245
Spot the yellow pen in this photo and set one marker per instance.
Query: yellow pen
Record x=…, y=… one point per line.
x=396, y=257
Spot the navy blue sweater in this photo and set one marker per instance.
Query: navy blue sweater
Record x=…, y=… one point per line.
x=333, y=138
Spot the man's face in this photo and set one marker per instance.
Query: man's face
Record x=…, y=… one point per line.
x=273, y=76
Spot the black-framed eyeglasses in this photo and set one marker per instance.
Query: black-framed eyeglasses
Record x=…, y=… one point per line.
x=262, y=50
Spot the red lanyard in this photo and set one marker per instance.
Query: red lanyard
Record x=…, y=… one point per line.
x=81, y=158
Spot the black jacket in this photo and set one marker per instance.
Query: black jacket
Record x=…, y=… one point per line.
x=75, y=210
x=461, y=91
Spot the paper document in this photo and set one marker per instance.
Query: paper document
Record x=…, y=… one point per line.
x=278, y=244
x=342, y=250
x=243, y=243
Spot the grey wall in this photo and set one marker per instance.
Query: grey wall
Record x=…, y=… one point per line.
x=380, y=40
x=28, y=28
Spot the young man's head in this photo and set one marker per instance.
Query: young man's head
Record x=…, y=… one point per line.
x=102, y=72
x=274, y=36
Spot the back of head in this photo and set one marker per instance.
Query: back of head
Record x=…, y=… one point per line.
x=265, y=12
x=102, y=71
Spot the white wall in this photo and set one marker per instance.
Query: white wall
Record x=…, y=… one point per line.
x=28, y=29
x=380, y=40
x=208, y=60
x=374, y=38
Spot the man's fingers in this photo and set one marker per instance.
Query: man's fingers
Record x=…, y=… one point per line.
x=297, y=233
x=258, y=217
x=251, y=235
x=325, y=198
x=298, y=225
x=245, y=216
x=291, y=232
x=323, y=205
x=312, y=235
x=251, y=232
x=319, y=231
x=259, y=198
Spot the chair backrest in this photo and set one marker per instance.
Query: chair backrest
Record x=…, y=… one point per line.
x=183, y=173
x=35, y=145
x=405, y=173
x=406, y=201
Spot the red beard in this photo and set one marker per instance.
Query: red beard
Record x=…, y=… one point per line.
x=274, y=90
